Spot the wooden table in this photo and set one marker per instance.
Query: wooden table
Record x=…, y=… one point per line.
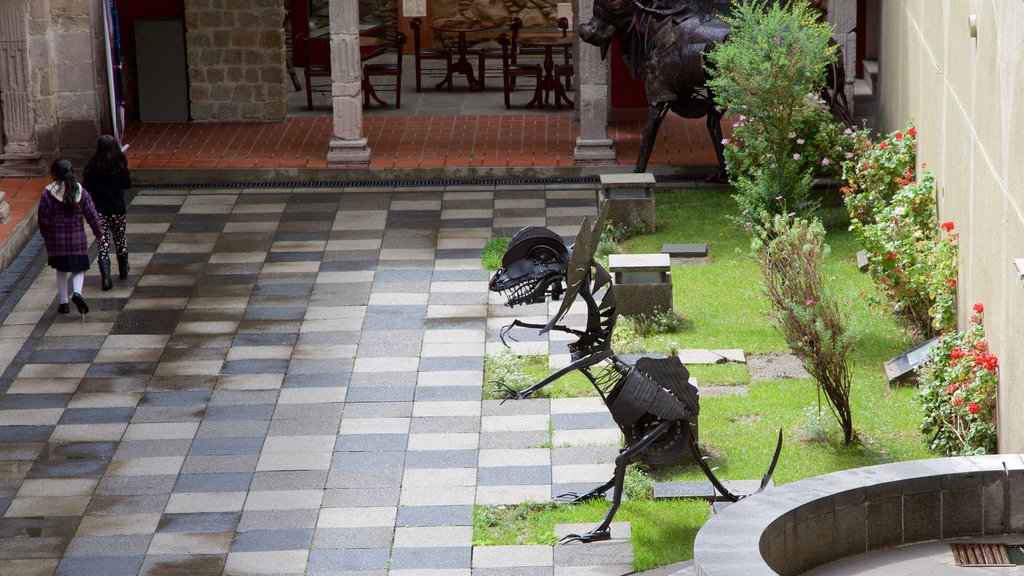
x=548, y=82
x=461, y=65
x=370, y=46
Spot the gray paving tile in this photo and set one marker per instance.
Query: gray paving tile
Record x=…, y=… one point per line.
x=278, y=519
x=232, y=429
x=93, y=565
x=365, y=477
x=135, y=485
x=513, y=476
x=118, y=545
x=289, y=480
x=220, y=446
x=367, y=460
x=347, y=538
x=135, y=504
x=582, y=421
x=361, y=497
x=363, y=393
x=449, y=363
x=199, y=522
x=383, y=379
x=447, y=393
x=283, y=539
x=371, y=442
x=216, y=482
x=348, y=559
x=441, y=459
x=338, y=377
x=434, y=516
x=219, y=464
x=528, y=439
x=444, y=424
x=431, y=558
x=183, y=565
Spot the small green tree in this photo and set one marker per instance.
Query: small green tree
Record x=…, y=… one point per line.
x=769, y=72
x=790, y=253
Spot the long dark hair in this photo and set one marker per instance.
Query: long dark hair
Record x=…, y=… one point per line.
x=108, y=156
x=62, y=171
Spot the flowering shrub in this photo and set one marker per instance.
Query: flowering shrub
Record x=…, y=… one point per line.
x=769, y=72
x=958, y=392
x=875, y=172
x=912, y=265
x=892, y=215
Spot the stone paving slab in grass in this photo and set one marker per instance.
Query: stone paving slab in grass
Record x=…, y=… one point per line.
x=776, y=366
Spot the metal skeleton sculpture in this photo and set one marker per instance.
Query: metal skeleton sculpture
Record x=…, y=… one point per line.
x=652, y=402
x=666, y=42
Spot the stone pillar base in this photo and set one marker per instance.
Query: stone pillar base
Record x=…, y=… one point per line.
x=21, y=165
x=348, y=151
x=596, y=151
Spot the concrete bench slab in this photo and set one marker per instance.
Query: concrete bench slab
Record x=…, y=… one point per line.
x=685, y=250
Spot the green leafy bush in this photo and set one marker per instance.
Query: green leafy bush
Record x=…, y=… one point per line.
x=959, y=384
x=791, y=254
x=894, y=218
x=769, y=72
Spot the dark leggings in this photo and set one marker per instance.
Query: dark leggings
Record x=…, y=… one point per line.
x=113, y=225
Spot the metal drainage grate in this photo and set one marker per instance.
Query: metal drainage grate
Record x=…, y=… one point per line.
x=982, y=555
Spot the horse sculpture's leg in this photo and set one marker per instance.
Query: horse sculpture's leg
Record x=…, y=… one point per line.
x=715, y=130
x=655, y=114
x=630, y=453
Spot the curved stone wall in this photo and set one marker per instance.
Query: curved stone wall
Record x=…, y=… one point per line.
x=792, y=528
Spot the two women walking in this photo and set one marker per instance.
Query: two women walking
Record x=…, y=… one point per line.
x=66, y=206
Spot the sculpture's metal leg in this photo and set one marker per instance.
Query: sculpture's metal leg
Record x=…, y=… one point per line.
x=576, y=498
x=655, y=114
x=718, y=484
x=603, y=530
x=715, y=130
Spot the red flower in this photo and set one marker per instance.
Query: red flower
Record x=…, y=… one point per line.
x=973, y=408
x=981, y=346
x=864, y=167
x=912, y=132
x=958, y=401
x=898, y=136
x=951, y=388
x=947, y=226
x=952, y=282
x=892, y=255
x=979, y=308
x=956, y=354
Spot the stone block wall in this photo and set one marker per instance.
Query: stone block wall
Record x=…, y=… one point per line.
x=236, y=60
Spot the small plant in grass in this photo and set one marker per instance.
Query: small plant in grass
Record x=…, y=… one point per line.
x=815, y=426
x=769, y=72
x=615, y=234
x=791, y=254
x=959, y=385
x=507, y=370
x=638, y=484
x=494, y=249
x=657, y=322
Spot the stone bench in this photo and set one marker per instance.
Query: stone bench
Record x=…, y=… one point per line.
x=643, y=282
x=629, y=197
x=795, y=527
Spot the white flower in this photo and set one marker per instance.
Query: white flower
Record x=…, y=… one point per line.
x=800, y=141
x=825, y=162
x=725, y=141
x=792, y=134
x=796, y=156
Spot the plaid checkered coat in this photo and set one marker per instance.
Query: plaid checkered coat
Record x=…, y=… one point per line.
x=63, y=231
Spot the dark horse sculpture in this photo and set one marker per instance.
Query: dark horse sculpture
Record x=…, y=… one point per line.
x=652, y=402
x=667, y=46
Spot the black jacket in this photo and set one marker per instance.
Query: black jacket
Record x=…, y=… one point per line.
x=107, y=190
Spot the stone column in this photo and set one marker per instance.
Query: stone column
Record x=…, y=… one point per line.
x=348, y=145
x=593, y=144
x=20, y=154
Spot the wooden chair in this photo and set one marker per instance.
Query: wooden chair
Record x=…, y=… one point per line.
x=316, y=63
x=393, y=69
x=421, y=54
x=484, y=54
x=565, y=71
x=512, y=71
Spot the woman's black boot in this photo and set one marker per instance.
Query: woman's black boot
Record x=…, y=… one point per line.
x=122, y=266
x=104, y=264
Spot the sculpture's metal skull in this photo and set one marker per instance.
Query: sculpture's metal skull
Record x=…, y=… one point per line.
x=533, y=265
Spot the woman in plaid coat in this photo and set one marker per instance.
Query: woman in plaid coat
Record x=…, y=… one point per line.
x=63, y=209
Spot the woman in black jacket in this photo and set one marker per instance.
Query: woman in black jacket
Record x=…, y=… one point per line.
x=106, y=177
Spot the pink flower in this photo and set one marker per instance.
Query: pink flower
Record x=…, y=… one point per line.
x=796, y=156
x=825, y=162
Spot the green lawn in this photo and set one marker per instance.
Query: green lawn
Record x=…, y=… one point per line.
x=723, y=302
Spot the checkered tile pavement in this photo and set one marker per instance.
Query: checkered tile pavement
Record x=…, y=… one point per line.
x=289, y=382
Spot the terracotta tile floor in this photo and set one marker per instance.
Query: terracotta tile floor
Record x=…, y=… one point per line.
x=542, y=140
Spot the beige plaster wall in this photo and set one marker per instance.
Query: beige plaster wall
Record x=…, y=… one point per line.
x=966, y=95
